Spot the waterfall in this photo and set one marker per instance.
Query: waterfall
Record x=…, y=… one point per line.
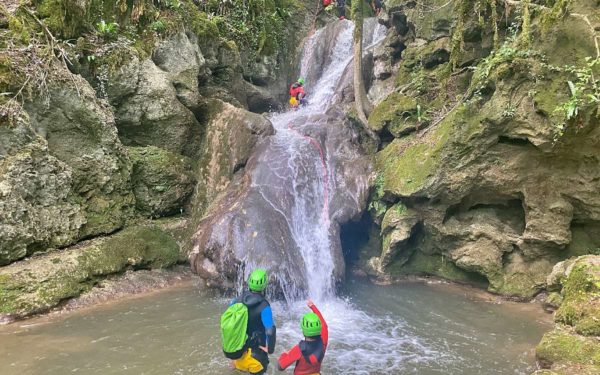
x=310, y=218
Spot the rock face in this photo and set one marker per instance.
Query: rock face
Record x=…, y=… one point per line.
x=231, y=136
x=162, y=181
x=42, y=282
x=471, y=172
x=55, y=191
x=148, y=112
x=252, y=222
x=572, y=347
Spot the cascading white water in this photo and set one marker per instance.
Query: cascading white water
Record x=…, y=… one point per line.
x=310, y=218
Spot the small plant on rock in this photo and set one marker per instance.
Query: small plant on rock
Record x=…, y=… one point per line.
x=107, y=29
x=584, y=92
x=159, y=26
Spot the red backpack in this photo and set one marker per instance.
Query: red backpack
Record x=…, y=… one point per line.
x=326, y=3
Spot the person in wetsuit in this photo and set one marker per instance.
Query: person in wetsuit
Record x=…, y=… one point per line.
x=297, y=94
x=261, y=328
x=341, y=5
x=309, y=353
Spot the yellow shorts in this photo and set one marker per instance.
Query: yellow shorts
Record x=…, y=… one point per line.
x=248, y=362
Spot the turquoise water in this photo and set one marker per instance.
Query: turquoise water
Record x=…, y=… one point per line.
x=404, y=329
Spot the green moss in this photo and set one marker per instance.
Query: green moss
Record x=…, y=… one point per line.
x=559, y=346
x=581, y=306
x=554, y=299
x=394, y=214
x=42, y=282
x=580, y=280
x=395, y=112
x=9, y=294
x=199, y=23
x=407, y=163
x=145, y=247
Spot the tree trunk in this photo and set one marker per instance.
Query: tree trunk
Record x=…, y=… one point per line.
x=361, y=102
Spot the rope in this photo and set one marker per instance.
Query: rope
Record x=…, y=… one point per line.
x=315, y=143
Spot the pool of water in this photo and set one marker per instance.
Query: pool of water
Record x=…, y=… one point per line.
x=412, y=328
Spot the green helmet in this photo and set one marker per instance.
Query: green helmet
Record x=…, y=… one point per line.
x=257, y=282
x=301, y=80
x=311, y=325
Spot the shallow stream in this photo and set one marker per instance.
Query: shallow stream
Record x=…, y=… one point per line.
x=412, y=328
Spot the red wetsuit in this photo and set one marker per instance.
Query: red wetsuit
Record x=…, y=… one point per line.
x=296, y=89
x=307, y=355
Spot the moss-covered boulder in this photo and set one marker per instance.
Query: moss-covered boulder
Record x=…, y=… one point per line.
x=573, y=344
x=162, y=181
x=562, y=346
x=397, y=114
x=580, y=306
x=42, y=282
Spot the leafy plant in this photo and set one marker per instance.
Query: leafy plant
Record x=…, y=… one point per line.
x=376, y=204
x=421, y=114
x=172, y=4
x=509, y=111
x=107, y=29
x=584, y=92
x=159, y=26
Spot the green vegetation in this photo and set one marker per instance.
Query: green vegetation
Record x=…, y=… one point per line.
x=560, y=346
x=107, y=29
x=256, y=25
x=584, y=94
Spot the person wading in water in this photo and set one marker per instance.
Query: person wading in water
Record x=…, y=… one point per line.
x=309, y=353
x=260, y=332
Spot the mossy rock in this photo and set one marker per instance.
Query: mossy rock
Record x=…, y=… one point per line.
x=434, y=265
x=162, y=181
x=42, y=282
x=407, y=163
x=561, y=346
x=581, y=306
x=397, y=113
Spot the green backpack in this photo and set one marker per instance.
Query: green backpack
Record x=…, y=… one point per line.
x=234, y=323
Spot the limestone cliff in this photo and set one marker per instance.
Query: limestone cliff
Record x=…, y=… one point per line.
x=489, y=167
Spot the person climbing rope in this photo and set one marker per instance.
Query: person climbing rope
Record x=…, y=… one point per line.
x=309, y=353
x=376, y=6
x=248, y=331
x=297, y=95
x=341, y=4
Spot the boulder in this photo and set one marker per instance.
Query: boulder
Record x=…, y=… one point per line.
x=65, y=175
x=162, y=181
x=80, y=131
x=42, y=282
x=232, y=133
x=233, y=234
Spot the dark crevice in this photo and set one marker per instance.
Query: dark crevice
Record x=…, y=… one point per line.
x=397, y=49
x=355, y=236
x=385, y=136
x=515, y=141
x=239, y=166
